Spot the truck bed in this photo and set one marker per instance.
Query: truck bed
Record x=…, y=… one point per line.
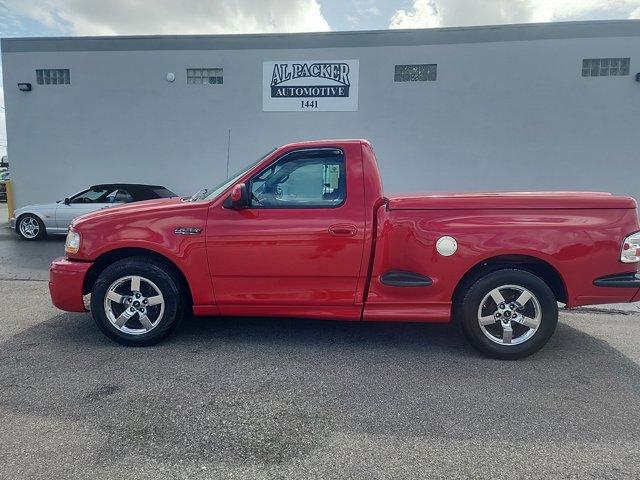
x=510, y=200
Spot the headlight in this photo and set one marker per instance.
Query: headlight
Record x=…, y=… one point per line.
x=631, y=249
x=72, y=245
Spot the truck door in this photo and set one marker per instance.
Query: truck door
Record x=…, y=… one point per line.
x=300, y=242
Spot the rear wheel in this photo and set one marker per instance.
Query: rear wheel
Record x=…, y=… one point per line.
x=30, y=227
x=137, y=301
x=508, y=314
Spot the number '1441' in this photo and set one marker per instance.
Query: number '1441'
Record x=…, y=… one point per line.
x=309, y=103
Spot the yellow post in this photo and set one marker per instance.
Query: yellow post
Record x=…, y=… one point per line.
x=9, y=187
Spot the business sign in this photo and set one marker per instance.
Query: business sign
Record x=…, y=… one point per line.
x=317, y=85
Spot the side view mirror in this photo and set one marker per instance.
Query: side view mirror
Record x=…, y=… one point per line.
x=239, y=197
x=66, y=200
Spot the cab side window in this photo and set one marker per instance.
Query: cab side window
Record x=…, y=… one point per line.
x=119, y=196
x=308, y=179
x=92, y=195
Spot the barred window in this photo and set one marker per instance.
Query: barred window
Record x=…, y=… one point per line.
x=51, y=76
x=204, y=76
x=605, y=67
x=416, y=73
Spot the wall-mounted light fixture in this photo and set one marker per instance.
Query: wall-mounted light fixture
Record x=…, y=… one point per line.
x=24, y=87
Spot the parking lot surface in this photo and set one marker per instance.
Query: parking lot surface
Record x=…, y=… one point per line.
x=22, y=259
x=290, y=398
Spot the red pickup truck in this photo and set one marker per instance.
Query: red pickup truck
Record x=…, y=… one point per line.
x=306, y=231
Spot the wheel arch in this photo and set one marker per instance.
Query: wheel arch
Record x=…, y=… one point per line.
x=20, y=216
x=108, y=258
x=543, y=269
x=33, y=214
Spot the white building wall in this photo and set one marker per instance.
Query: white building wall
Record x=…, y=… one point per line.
x=511, y=115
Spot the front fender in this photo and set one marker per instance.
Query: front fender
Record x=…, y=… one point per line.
x=153, y=230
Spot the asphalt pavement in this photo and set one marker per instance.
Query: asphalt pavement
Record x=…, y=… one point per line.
x=24, y=260
x=290, y=398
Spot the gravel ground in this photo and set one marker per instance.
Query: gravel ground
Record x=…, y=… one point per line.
x=274, y=398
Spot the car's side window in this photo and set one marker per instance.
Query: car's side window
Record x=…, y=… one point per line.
x=305, y=179
x=91, y=196
x=119, y=196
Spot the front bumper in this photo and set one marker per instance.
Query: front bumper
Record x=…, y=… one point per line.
x=12, y=223
x=66, y=281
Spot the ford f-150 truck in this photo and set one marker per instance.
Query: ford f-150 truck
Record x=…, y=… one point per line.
x=307, y=231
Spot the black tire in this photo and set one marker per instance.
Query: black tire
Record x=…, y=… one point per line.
x=166, y=280
x=467, y=311
x=42, y=232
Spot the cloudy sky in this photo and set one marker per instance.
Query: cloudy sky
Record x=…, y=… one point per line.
x=130, y=17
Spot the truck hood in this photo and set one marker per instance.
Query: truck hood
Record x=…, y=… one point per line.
x=510, y=200
x=147, y=207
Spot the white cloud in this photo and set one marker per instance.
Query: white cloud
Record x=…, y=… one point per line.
x=360, y=11
x=554, y=10
x=424, y=14
x=127, y=17
x=446, y=13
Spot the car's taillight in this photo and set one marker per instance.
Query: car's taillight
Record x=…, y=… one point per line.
x=630, y=252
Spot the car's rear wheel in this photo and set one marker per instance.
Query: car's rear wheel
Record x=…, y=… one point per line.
x=508, y=314
x=137, y=301
x=30, y=227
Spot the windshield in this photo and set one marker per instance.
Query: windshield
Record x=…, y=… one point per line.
x=210, y=193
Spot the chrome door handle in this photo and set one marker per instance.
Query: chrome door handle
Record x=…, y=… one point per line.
x=343, y=230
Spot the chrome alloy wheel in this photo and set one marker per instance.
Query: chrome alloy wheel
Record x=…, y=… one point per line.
x=134, y=305
x=29, y=227
x=509, y=315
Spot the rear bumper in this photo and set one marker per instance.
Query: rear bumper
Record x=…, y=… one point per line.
x=66, y=279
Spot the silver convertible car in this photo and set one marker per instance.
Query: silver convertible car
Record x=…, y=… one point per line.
x=33, y=222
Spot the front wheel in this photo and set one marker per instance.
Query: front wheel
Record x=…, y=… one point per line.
x=30, y=227
x=508, y=314
x=137, y=301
